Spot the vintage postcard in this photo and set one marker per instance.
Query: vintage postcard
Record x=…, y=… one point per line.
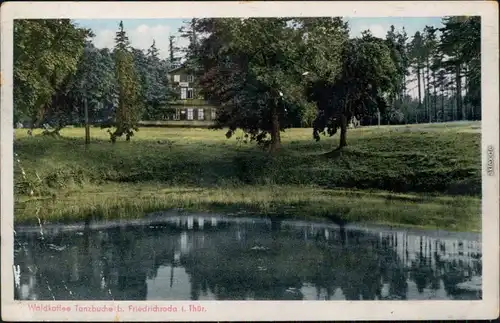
x=236, y=161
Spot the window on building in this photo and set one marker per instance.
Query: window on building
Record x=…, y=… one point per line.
x=201, y=114
x=183, y=93
x=190, y=93
x=190, y=78
x=213, y=114
x=190, y=114
x=177, y=78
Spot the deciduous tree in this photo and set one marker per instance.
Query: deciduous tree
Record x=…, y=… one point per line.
x=46, y=55
x=366, y=80
x=250, y=68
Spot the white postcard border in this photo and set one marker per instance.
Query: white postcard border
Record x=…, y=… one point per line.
x=263, y=310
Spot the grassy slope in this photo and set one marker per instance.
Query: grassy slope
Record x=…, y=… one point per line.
x=201, y=170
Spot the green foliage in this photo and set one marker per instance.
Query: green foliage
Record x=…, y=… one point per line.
x=244, y=64
x=190, y=31
x=154, y=82
x=321, y=46
x=441, y=59
x=129, y=110
x=250, y=68
x=46, y=54
x=367, y=77
x=396, y=41
x=461, y=42
x=93, y=83
x=174, y=59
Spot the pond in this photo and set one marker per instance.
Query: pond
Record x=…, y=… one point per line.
x=204, y=257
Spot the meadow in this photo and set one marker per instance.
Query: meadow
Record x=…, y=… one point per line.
x=426, y=175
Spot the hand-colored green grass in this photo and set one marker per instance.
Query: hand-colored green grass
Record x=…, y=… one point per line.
x=123, y=200
x=430, y=175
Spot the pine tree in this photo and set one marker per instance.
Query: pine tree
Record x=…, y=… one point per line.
x=129, y=108
x=156, y=90
x=460, y=36
x=417, y=58
x=440, y=82
x=402, y=43
x=122, y=43
x=153, y=52
x=174, y=60
x=430, y=49
x=189, y=31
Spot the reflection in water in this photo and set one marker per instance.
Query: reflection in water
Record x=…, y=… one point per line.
x=204, y=258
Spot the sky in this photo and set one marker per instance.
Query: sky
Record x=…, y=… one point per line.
x=142, y=32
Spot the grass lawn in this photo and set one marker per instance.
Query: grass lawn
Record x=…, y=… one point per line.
x=419, y=175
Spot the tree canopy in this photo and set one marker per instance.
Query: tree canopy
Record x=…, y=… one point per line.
x=250, y=67
x=46, y=54
x=366, y=79
x=264, y=74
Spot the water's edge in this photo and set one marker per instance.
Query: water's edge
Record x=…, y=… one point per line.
x=173, y=216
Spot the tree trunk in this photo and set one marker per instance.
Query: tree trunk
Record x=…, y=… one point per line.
x=429, y=101
x=460, y=110
x=452, y=106
x=424, y=87
x=403, y=89
x=419, y=94
x=426, y=90
x=443, y=117
x=434, y=107
x=468, y=106
x=275, y=130
x=343, y=131
x=435, y=96
x=57, y=129
x=87, y=126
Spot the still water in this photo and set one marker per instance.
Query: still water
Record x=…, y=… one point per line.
x=223, y=258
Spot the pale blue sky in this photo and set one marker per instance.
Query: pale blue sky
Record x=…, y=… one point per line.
x=143, y=31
